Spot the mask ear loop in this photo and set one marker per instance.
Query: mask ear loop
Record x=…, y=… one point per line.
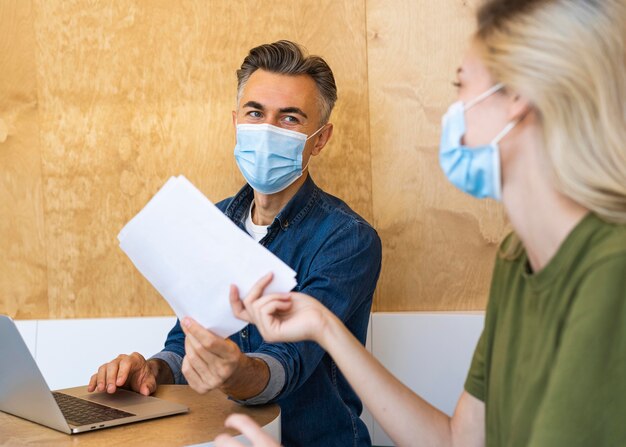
x=504, y=131
x=496, y=162
x=483, y=96
x=308, y=138
x=315, y=133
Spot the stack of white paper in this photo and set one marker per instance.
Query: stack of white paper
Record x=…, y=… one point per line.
x=191, y=253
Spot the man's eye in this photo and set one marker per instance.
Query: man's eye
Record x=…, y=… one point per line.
x=291, y=119
x=254, y=114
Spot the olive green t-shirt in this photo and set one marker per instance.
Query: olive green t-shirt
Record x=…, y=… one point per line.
x=550, y=364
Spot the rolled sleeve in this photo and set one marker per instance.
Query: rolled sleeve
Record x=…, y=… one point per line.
x=274, y=385
x=175, y=362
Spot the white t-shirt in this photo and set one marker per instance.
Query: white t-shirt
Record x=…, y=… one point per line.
x=258, y=232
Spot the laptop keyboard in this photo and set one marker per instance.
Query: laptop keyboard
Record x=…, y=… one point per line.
x=83, y=412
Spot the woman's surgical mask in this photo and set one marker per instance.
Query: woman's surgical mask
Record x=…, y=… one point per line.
x=270, y=157
x=474, y=170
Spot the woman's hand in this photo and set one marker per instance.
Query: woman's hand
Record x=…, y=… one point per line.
x=280, y=317
x=249, y=429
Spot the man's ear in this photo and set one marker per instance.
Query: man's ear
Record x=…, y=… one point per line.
x=235, y=124
x=234, y=112
x=322, y=138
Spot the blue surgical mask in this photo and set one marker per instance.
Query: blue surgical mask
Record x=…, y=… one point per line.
x=270, y=157
x=474, y=170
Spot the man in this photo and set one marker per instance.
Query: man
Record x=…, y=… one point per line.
x=284, y=101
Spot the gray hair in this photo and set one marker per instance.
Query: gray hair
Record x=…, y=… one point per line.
x=288, y=58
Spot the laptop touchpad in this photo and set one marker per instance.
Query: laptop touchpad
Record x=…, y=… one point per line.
x=121, y=398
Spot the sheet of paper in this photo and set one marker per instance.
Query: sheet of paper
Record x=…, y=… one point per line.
x=191, y=253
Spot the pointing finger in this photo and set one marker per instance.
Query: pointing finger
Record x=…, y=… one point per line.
x=237, y=305
x=257, y=290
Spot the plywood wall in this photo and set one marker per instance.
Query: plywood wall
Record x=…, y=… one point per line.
x=103, y=101
x=23, y=265
x=439, y=244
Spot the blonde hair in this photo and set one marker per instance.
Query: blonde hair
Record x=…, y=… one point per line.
x=568, y=57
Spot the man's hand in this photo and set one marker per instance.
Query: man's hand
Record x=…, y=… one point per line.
x=249, y=429
x=213, y=362
x=127, y=371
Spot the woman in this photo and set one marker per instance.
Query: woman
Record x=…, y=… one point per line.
x=541, y=125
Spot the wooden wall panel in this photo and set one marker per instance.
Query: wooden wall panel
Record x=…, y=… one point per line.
x=132, y=92
x=439, y=245
x=23, y=286
x=103, y=101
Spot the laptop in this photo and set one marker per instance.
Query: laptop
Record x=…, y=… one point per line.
x=25, y=393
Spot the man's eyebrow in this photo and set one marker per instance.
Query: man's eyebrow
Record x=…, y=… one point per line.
x=254, y=105
x=259, y=106
x=293, y=110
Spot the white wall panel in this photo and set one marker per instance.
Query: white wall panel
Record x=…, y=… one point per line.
x=28, y=331
x=428, y=352
x=366, y=416
x=70, y=351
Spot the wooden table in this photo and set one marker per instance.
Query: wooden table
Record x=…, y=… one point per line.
x=203, y=422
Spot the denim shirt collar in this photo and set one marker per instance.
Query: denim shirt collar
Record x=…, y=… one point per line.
x=293, y=212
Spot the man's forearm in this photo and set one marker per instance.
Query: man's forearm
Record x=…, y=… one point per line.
x=161, y=371
x=249, y=379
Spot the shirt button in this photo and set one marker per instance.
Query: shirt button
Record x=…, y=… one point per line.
x=244, y=333
x=286, y=225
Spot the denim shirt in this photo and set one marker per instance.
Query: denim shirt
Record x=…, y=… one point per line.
x=337, y=257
